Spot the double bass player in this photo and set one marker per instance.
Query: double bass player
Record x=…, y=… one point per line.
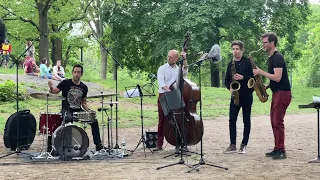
x=167, y=74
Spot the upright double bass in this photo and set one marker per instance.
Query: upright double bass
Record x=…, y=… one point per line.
x=193, y=125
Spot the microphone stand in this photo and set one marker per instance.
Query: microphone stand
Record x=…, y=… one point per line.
x=117, y=63
x=18, y=148
x=201, y=161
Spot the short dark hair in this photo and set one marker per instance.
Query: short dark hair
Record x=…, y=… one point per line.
x=271, y=37
x=239, y=43
x=43, y=61
x=78, y=66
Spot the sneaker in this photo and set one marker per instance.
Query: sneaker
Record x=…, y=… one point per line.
x=272, y=153
x=243, y=149
x=280, y=155
x=231, y=149
x=157, y=149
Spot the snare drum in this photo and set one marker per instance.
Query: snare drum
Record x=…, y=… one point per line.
x=54, y=121
x=85, y=116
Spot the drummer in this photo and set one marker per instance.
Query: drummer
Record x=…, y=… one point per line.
x=75, y=93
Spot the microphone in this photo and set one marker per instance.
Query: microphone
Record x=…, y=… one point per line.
x=215, y=53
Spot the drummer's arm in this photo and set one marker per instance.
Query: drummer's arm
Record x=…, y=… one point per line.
x=53, y=90
x=84, y=104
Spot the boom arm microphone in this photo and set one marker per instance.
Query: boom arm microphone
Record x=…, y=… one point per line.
x=215, y=53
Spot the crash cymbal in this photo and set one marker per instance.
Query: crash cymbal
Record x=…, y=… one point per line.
x=44, y=96
x=101, y=95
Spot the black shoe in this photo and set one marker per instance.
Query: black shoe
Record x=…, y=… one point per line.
x=99, y=147
x=280, y=155
x=272, y=153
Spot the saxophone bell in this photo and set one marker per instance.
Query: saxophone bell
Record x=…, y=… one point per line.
x=235, y=86
x=251, y=82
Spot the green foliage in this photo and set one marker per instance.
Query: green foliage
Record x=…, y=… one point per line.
x=146, y=30
x=8, y=91
x=309, y=42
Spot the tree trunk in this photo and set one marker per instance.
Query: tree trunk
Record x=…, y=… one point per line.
x=104, y=61
x=66, y=60
x=44, y=30
x=56, y=52
x=215, y=76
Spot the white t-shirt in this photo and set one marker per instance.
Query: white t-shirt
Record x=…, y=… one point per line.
x=56, y=70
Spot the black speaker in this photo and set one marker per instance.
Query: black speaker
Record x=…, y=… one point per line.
x=151, y=139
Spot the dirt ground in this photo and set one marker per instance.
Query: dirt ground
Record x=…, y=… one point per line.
x=301, y=143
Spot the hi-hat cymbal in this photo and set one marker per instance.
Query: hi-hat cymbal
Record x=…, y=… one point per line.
x=44, y=96
x=101, y=95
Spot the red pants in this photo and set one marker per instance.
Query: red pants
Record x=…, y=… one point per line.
x=279, y=105
x=161, y=121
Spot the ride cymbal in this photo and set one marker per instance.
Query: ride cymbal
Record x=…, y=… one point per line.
x=45, y=96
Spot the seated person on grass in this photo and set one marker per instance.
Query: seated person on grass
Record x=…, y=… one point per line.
x=44, y=71
x=58, y=69
x=28, y=67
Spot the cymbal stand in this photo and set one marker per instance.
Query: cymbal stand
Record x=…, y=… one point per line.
x=44, y=154
x=110, y=123
x=103, y=151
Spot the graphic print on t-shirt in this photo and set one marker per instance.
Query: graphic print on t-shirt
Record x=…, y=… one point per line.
x=74, y=97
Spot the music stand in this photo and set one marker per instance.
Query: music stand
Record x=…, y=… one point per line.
x=137, y=91
x=316, y=106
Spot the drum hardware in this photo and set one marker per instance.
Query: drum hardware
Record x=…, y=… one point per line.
x=102, y=96
x=44, y=154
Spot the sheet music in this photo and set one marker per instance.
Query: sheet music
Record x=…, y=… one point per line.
x=316, y=99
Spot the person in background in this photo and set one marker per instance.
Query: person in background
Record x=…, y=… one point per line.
x=58, y=69
x=28, y=67
x=44, y=71
x=6, y=50
x=30, y=52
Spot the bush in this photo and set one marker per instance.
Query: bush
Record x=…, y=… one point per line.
x=8, y=91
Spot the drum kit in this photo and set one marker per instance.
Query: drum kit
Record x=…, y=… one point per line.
x=68, y=140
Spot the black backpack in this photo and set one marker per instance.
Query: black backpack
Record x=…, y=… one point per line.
x=26, y=129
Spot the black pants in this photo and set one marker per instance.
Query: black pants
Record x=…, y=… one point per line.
x=245, y=104
x=67, y=117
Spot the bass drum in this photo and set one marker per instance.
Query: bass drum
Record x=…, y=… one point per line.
x=70, y=141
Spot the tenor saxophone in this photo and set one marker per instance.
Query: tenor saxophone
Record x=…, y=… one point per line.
x=256, y=83
x=235, y=85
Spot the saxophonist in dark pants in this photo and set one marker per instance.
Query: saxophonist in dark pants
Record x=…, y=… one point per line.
x=239, y=71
